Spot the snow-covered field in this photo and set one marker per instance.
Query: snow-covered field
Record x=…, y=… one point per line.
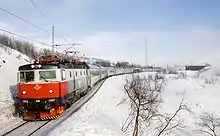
x=102, y=116
x=9, y=62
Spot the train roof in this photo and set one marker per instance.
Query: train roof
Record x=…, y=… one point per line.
x=92, y=66
x=41, y=66
x=103, y=68
x=34, y=66
x=69, y=62
x=111, y=68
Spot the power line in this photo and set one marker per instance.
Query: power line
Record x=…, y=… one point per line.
x=24, y=20
x=65, y=39
x=71, y=47
x=53, y=28
x=35, y=6
x=27, y=38
x=28, y=22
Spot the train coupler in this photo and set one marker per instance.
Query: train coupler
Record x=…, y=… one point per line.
x=54, y=113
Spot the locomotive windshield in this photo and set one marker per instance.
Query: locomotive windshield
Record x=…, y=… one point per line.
x=45, y=75
x=27, y=76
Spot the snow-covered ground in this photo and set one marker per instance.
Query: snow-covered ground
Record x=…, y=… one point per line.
x=9, y=63
x=102, y=116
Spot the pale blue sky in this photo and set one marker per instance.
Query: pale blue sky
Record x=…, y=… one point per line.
x=115, y=29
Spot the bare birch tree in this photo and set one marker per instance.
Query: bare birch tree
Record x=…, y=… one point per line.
x=208, y=124
x=169, y=122
x=144, y=96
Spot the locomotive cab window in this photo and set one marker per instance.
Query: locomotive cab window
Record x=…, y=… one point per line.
x=27, y=76
x=47, y=75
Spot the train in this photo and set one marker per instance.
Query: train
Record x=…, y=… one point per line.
x=50, y=85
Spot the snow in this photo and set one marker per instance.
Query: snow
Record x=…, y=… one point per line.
x=104, y=116
x=101, y=116
x=200, y=97
x=8, y=81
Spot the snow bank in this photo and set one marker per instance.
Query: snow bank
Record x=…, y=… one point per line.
x=101, y=116
x=188, y=73
x=9, y=63
x=200, y=97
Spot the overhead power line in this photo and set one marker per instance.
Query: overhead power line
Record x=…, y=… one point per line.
x=53, y=28
x=24, y=20
x=27, y=38
x=28, y=22
x=74, y=44
x=35, y=6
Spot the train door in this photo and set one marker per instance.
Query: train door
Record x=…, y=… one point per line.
x=88, y=78
x=74, y=80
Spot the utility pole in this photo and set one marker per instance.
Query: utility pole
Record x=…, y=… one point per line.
x=53, y=39
x=146, y=53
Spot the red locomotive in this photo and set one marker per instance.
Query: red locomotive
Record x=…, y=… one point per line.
x=49, y=85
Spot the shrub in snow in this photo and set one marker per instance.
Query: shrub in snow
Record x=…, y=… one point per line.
x=209, y=81
x=208, y=124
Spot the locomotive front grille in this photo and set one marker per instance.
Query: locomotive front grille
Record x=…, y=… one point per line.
x=40, y=104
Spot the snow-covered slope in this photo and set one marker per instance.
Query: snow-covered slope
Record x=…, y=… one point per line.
x=102, y=116
x=9, y=63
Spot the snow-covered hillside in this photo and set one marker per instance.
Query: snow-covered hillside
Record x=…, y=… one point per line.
x=102, y=116
x=9, y=63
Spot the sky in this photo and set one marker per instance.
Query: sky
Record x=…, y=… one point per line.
x=174, y=31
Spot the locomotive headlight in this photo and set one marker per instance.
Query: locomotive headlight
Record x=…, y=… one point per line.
x=50, y=91
x=24, y=92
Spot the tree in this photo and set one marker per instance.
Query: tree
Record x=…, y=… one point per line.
x=24, y=47
x=208, y=124
x=169, y=122
x=144, y=97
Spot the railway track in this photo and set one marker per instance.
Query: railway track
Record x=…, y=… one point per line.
x=26, y=128
x=39, y=128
